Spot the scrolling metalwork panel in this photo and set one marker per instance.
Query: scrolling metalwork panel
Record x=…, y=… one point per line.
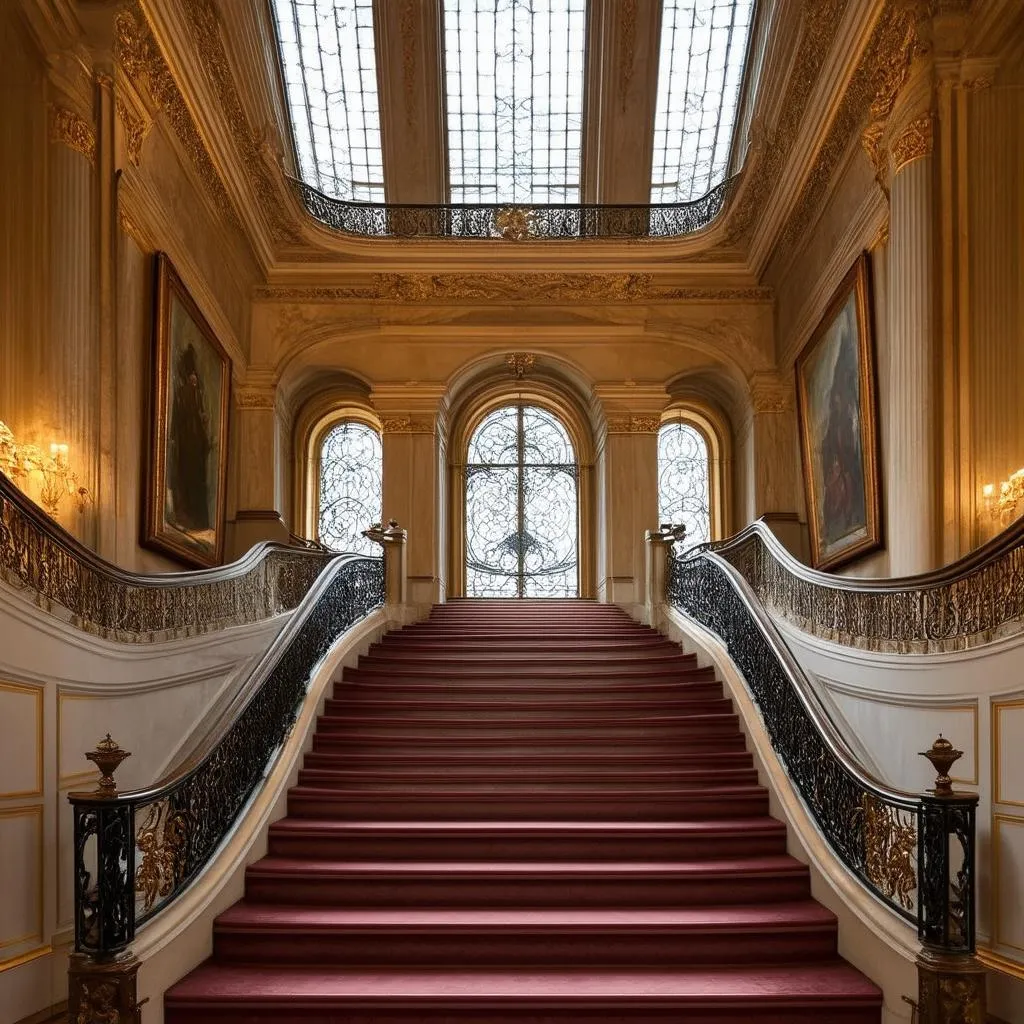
x=351, y=486
x=136, y=854
x=37, y=556
x=916, y=854
x=515, y=222
x=521, y=507
x=966, y=611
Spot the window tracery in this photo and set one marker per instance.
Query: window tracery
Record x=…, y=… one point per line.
x=350, y=477
x=685, y=480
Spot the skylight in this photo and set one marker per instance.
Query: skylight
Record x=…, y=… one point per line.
x=330, y=72
x=514, y=99
x=703, y=46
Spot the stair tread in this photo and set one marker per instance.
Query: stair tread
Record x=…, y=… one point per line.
x=660, y=829
x=826, y=982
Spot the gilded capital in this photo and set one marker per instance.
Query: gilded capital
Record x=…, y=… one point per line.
x=913, y=142
x=69, y=128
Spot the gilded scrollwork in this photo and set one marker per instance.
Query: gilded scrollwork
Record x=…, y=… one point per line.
x=69, y=128
x=162, y=840
x=890, y=850
x=913, y=143
x=97, y=1003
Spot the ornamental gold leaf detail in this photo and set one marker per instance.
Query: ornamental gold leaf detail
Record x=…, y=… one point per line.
x=913, y=143
x=633, y=424
x=135, y=131
x=72, y=130
x=519, y=363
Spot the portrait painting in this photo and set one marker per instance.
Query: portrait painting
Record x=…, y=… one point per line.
x=835, y=380
x=184, y=509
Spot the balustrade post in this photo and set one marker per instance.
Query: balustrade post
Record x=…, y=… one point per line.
x=394, y=540
x=658, y=549
x=951, y=979
x=101, y=973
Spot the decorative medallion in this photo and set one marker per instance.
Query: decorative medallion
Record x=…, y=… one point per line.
x=519, y=363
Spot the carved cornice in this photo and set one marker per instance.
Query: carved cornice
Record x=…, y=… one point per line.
x=633, y=424
x=914, y=142
x=69, y=128
x=141, y=61
x=537, y=288
x=874, y=85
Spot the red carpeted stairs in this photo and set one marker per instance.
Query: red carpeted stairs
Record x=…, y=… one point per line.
x=526, y=811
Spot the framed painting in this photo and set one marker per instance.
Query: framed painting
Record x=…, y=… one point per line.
x=835, y=383
x=187, y=478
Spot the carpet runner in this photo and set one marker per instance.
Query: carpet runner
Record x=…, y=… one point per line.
x=526, y=811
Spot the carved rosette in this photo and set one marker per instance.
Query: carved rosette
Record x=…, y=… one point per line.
x=913, y=143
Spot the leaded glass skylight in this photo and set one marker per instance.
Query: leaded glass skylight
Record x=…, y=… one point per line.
x=330, y=72
x=703, y=46
x=514, y=99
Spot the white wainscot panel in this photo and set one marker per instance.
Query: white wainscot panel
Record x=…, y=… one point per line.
x=1008, y=757
x=1008, y=898
x=894, y=733
x=21, y=740
x=21, y=868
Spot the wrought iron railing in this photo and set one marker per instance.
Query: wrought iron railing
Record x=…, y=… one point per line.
x=65, y=578
x=136, y=852
x=916, y=853
x=967, y=603
x=514, y=221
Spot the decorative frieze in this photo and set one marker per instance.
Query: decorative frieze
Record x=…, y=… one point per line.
x=69, y=128
x=633, y=424
x=255, y=398
x=405, y=425
x=770, y=394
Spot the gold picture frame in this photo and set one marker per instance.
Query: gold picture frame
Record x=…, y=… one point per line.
x=838, y=416
x=186, y=486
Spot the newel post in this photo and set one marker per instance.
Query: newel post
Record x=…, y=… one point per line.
x=951, y=979
x=393, y=539
x=658, y=549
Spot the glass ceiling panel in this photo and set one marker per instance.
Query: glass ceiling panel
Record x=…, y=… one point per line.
x=703, y=47
x=330, y=72
x=514, y=94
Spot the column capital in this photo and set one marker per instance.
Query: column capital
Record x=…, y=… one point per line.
x=914, y=141
x=771, y=392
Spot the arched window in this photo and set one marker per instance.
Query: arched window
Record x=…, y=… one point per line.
x=522, y=534
x=685, y=480
x=350, y=486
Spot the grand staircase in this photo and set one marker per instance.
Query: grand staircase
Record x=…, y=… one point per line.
x=526, y=811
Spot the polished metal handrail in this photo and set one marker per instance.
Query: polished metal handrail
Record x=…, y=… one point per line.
x=971, y=601
x=915, y=853
x=135, y=852
x=515, y=221
x=65, y=578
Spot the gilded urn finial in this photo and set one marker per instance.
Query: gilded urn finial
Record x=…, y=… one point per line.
x=942, y=756
x=107, y=756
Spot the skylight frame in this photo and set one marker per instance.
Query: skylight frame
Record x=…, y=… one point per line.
x=327, y=51
x=693, y=139
x=503, y=162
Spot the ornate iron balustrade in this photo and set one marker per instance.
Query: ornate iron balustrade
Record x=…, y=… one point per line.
x=514, y=221
x=68, y=580
x=967, y=603
x=136, y=852
x=915, y=853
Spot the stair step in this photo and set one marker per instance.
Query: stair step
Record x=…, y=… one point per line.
x=396, y=709
x=560, y=883
x=442, y=760
x=562, y=691
x=823, y=993
x=756, y=933
x=328, y=838
x=426, y=743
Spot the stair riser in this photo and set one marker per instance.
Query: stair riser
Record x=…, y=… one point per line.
x=532, y=1012
x=533, y=746
x=534, y=948
x=443, y=761
x=469, y=850
x=401, y=711
x=381, y=807
x=590, y=675
x=680, y=729
x=564, y=694
x=452, y=891
x=511, y=781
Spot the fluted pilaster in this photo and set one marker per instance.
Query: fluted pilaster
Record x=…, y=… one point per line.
x=912, y=354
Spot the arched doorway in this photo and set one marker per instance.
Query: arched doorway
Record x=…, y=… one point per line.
x=521, y=506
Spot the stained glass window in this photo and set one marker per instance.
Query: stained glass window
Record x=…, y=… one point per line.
x=521, y=507
x=330, y=73
x=684, y=481
x=514, y=99
x=703, y=48
x=350, y=487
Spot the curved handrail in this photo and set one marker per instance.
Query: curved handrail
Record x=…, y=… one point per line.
x=67, y=579
x=913, y=852
x=968, y=602
x=135, y=852
x=517, y=221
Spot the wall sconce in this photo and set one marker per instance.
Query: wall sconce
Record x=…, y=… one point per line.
x=1003, y=507
x=19, y=461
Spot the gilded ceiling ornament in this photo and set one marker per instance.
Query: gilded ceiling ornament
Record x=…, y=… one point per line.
x=72, y=130
x=914, y=142
x=135, y=130
x=519, y=363
x=627, y=48
x=139, y=57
